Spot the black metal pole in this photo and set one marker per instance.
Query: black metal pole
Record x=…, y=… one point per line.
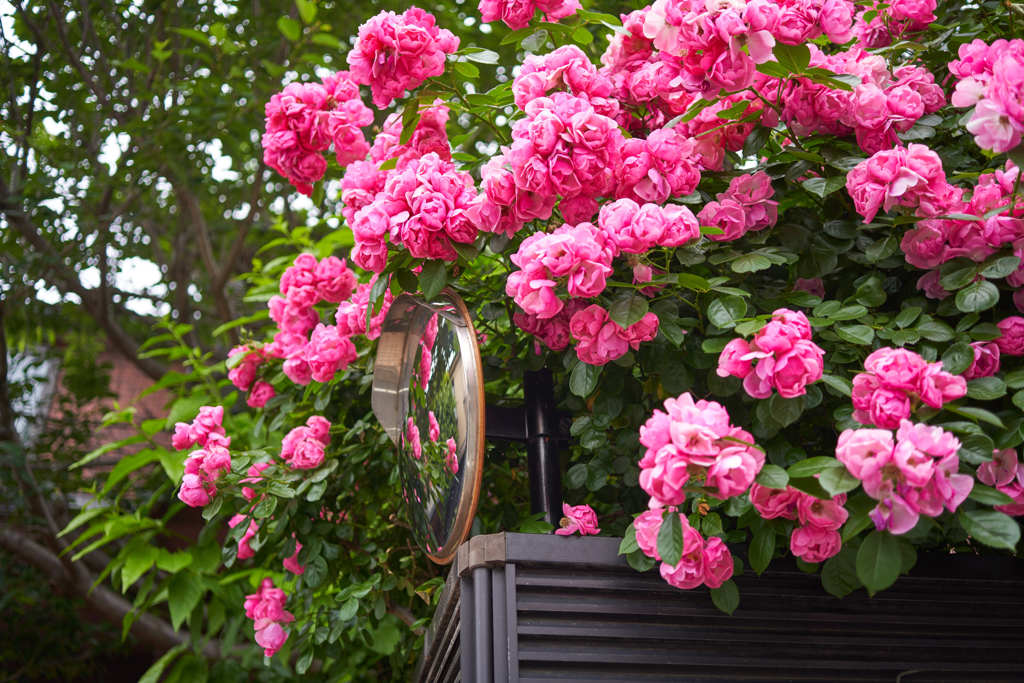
x=542, y=458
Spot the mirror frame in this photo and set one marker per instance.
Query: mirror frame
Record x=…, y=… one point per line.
x=393, y=369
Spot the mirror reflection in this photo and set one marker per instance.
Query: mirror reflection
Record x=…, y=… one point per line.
x=434, y=412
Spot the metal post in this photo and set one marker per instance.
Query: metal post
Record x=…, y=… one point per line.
x=542, y=461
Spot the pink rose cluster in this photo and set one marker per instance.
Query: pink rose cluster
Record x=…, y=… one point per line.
x=710, y=37
x=303, y=447
x=266, y=609
x=599, y=339
x=879, y=107
x=892, y=20
x=635, y=228
x=422, y=207
x=566, y=69
x=915, y=474
x=992, y=81
x=651, y=87
x=894, y=381
x=786, y=358
x=576, y=256
x=934, y=241
x=205, y=466
x=910, y=177
x=245, y=551
x=662, y=165
x=744, y=206
x=351, y=315
x=562, y=148
x=816, y=538
x=305, y=119
x=581, y=518
x=553, y=332
x=517, y=13
x=243, y=374
x=312, y=350
x=694, y=441
x=364, y=181
x=397, y=52
x=705, y=562
x=1006, y=474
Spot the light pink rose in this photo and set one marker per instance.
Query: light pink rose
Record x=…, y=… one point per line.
x=579, y=518
x=718, y=564
x=814, y=544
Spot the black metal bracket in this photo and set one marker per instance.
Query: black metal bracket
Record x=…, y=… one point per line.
x=537, y=424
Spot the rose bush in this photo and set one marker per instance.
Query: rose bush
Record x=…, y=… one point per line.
x=773, y=267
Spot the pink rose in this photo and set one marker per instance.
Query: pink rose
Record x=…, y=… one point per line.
x=865, y=451
x=579, y=518
x=797, y=368
x=986, y=360
x=731, y=361
x=773, y=503
x=1011, y=342
x=814, y=544
x=718, y=564
x=260, y=394
x=689, y=572
x=647, y=525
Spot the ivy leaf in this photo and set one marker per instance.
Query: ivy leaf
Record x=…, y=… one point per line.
x=726, y=597
x=878, y=561
x=991, y=527
x=670, y=540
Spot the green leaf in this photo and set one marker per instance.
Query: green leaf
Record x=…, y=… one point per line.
x=879, y=561
x=1000, y=267
x=694, y=282
x=750, y=263
x=977, y=296
x=838, y=480
x=316, y=572
x=582, y=36
x=855, y=334
x=991, y=527
x=935, y=330
x=640, y=562
x=786, y=411
x=839, y=573
x=726, y=597
x=977, y=414
x=576, y=476
x=812, y=466
x=583, y=379
x=433, y=278
x=535, y=41
x=724, y=311
x=958, y=358
x=628, y=544
x=289, y=28
x=907, y=316
x=138, y=560
x=772, y=476
x=481, y=56
x=628, y=310
x=762, y=549
x=976, y=449
x=838, y=384
x=823, y=187
x=986, y=495
x=183, y=594
x=986, y=388
x=670, y=539
x=173, y=562
x=795, y=58
x=467, y=70
x=307, y=10
x=855, y=524
x=154, y=672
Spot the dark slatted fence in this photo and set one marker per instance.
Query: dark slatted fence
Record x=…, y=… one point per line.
x=533, y=608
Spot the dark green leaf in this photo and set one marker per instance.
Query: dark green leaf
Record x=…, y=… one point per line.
x=726, y=310
x=583, y=379
x=879, y=561
x=839, y=573
x=726, y=597
x=670, y=539
x=855, y=334
x=838, y=480
x=628, y=544
x=991, y=527
x=762, y=549
x=628, y=310
x=773, y=477
x=935, y=330
x=987, y=495
x=812, y=466
x=976, y=448
x=1000, y=267
x=786, y=411
x=838, y=384
x=986, y=388
x=640, y=562
x=433, y=278
x=958, y=358
x=977, y=296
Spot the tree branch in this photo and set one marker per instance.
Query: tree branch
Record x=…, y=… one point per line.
x=69, y=281
x=58, y=18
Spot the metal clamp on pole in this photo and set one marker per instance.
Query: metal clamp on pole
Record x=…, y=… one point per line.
x=543, y=462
